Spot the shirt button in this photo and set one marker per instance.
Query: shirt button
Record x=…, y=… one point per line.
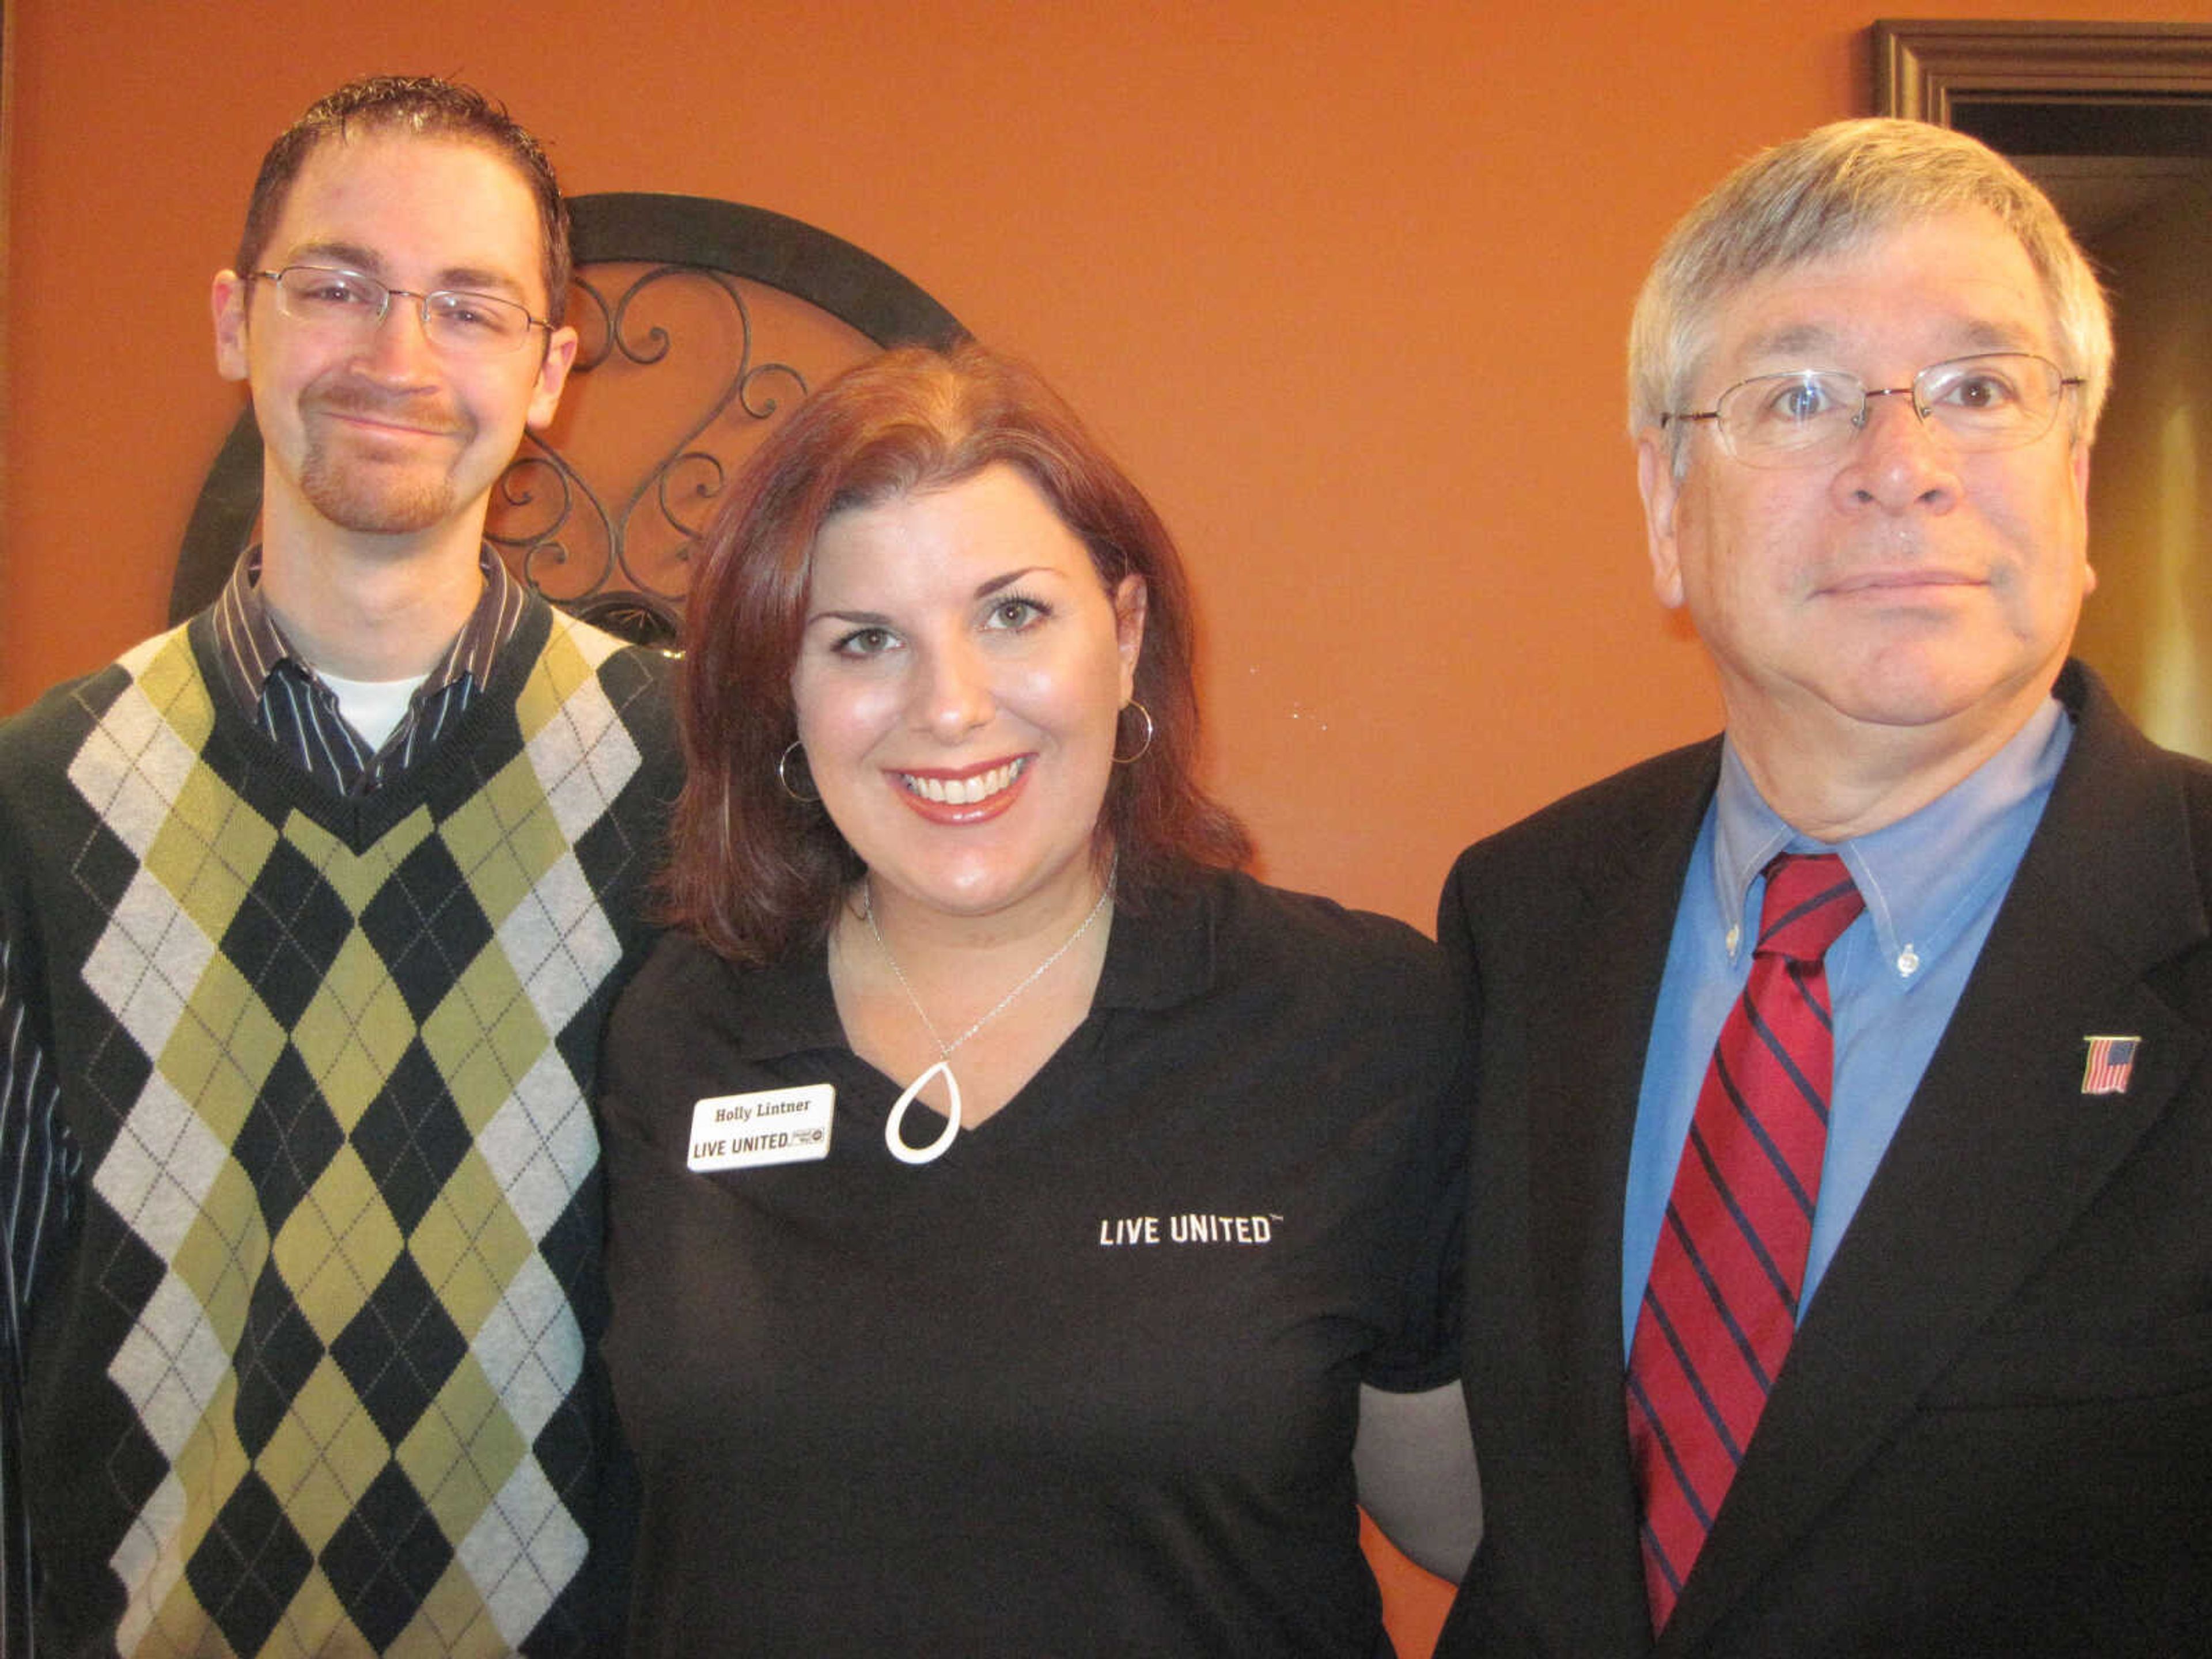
x=1908, y=962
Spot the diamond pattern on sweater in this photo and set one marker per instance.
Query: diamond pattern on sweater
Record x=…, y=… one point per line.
x=175, y=1366
x=284, y=934
x=399, y=1350
x=250, y=1565
x=503, y=838
x=521, y=1348
x=289, y=1139
x=151, y=1563
x=344, y=1201
x=277, y=1354
x=541, y=1146
x=525, y=1544
x=336, y=1247
x=324, y=1453
x=223, y=1051
x=210, y=852
x=224, y=1251
x=425, y=925
x=484, y=1036
x=577, y=745
x=412, y=1137
x=158, y=1173
x=463, y=1450
x=148, y=961
x=386, y=1558
x=560, y=941
x=470, y=1246
x=132, y=767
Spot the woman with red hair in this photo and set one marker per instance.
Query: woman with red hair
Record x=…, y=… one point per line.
x=1015, y=1207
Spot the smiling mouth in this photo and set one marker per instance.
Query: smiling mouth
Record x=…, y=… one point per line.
x=363, y=422
x=414, y=417
x=964, y=792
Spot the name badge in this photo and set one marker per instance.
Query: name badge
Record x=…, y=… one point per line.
x=771, y=1125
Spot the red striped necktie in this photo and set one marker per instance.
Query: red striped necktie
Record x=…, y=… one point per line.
x=1720, y=1305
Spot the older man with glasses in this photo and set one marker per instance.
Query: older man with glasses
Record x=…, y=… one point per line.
x=1840, y=1255
x=310, y=912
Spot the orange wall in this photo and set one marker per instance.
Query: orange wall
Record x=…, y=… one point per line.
x=1344, y=281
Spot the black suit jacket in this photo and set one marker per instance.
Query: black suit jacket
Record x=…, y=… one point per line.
x=1993, y=1434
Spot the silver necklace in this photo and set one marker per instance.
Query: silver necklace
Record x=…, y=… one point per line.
x=936, y=1149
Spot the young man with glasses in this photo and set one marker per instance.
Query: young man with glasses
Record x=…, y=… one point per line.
x=310, y=912
x=1840, y=1258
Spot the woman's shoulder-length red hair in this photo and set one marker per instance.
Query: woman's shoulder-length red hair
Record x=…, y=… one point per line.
x=754, y=872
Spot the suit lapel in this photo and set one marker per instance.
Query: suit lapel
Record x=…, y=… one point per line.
x=1999, y=1152
x=1610, y=944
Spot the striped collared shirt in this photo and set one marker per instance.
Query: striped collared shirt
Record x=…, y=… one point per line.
x=40, y=1164
x=282, y=693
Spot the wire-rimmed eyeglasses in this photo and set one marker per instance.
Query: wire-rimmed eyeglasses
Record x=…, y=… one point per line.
x=454, y=319
x=1991, y=400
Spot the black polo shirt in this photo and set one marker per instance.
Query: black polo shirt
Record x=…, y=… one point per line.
x=1087, y=1382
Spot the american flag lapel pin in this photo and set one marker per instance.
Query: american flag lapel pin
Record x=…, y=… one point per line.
x=2111, y=1061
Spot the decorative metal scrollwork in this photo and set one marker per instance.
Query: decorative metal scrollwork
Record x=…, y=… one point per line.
x=580, y=545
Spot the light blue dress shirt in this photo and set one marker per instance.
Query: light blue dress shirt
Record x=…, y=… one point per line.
x=1933, y=884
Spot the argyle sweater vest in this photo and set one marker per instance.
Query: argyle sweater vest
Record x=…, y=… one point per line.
x=310, y=1363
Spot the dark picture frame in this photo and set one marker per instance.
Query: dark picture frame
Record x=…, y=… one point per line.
x=1922, y=67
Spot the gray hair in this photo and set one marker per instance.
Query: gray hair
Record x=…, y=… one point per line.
x=1835, y=189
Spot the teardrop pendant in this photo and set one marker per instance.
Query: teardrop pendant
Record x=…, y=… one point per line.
x=935, y=1150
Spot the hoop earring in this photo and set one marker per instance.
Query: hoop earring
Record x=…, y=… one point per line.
x=783, y=777
x=1144, y=748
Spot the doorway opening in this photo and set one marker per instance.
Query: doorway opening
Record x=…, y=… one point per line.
x=2114, y=122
